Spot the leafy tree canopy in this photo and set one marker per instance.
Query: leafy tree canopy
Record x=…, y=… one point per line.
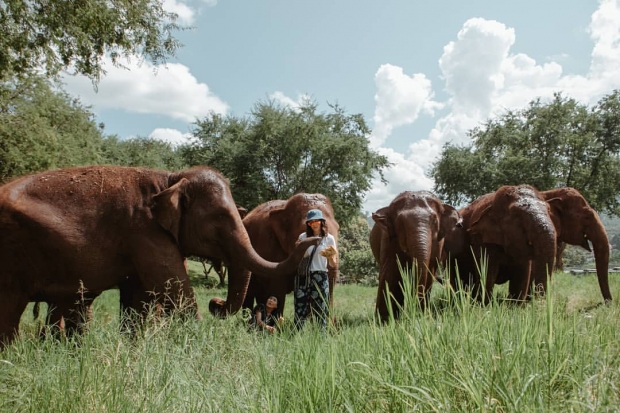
x=357, y=263
x=55, y=35
x=279, y=151
x=547, y=145
x=141, y=151
x=43, y=128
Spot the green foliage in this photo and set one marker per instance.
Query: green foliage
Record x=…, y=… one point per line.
x=560, y=143
x=139, y=151
x=575, y=256
x=43, y=128
x=56, y=35
x=279, y=151
x=357, y=263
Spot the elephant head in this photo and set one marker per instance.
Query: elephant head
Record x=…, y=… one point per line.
x=576, y=223
x=199, y=212
x=412, y=230
x=514, y=226
x=292, y=214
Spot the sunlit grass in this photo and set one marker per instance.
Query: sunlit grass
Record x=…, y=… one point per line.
x=554, y=354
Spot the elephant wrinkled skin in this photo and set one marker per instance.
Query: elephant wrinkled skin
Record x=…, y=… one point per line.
x=576, y=223
x=92, y=228
x=273, y=228
x=512, y=229
x=412, y=230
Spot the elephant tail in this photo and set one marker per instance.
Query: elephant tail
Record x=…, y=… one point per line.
x=35, y=310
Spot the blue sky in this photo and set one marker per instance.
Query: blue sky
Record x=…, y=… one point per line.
x=422, y=73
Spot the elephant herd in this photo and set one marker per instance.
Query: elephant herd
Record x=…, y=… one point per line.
x=516, y=233
x=70, y=234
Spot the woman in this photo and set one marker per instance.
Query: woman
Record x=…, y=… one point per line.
x=266, y=316
x=312, y=291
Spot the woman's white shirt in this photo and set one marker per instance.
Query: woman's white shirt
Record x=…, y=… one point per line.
x=319, y=262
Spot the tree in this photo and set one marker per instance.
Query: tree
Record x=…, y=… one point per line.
x=55, y=35
x=356, y=260
x=279, y=151
x=139, y=151
x=560, y=143
x=42, y=127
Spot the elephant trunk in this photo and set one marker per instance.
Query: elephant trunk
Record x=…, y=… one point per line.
x=244, y=260
x=419, y=248
x=600, y=244
x=544, y=243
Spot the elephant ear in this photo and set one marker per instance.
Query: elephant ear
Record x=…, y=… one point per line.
x=450, y=219
x=167, y=207
x=381, y=218
x=242, y=211
x=281, y=227
x=486, y=228
x=556, y=209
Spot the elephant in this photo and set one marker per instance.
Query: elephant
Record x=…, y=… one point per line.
x=512, y=228
x=413, y=230
x=70, y=318
x=95, y=227
x=273, y=228
x=576, y=223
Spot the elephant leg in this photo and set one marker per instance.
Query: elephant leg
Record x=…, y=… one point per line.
x=519, y=284
x=135, y=304
x=492, y=270
x=390, y=284
x=54, y=319
x=12, y=305
x=163, y=272
x=70, y=316
x=79, y=314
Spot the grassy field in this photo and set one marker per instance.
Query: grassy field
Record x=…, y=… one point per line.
x=558, y=354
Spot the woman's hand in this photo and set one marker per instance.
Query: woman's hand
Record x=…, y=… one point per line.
x=329, y=252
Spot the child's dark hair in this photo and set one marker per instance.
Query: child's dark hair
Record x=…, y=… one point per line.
x=324, y=229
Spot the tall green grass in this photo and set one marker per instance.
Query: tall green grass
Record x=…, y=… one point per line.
x=557, y=354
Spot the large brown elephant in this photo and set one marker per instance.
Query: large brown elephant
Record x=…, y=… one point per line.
x=511, y=230
x=412, y=230
x=273, y=228
x=576, y=223
x=70, y=317
x=96, y=227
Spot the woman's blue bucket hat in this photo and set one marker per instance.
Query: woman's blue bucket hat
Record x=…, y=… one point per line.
x=314, y=214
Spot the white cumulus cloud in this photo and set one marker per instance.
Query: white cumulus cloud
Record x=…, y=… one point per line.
x=169, y=90
x=185, y=13
x=172, y=136
x=284, y=100
x=399, y=100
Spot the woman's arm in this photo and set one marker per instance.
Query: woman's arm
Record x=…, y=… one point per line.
x=261, y=323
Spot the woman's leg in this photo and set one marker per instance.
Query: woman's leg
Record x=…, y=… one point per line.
x=320, y=297
x=302, y=303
